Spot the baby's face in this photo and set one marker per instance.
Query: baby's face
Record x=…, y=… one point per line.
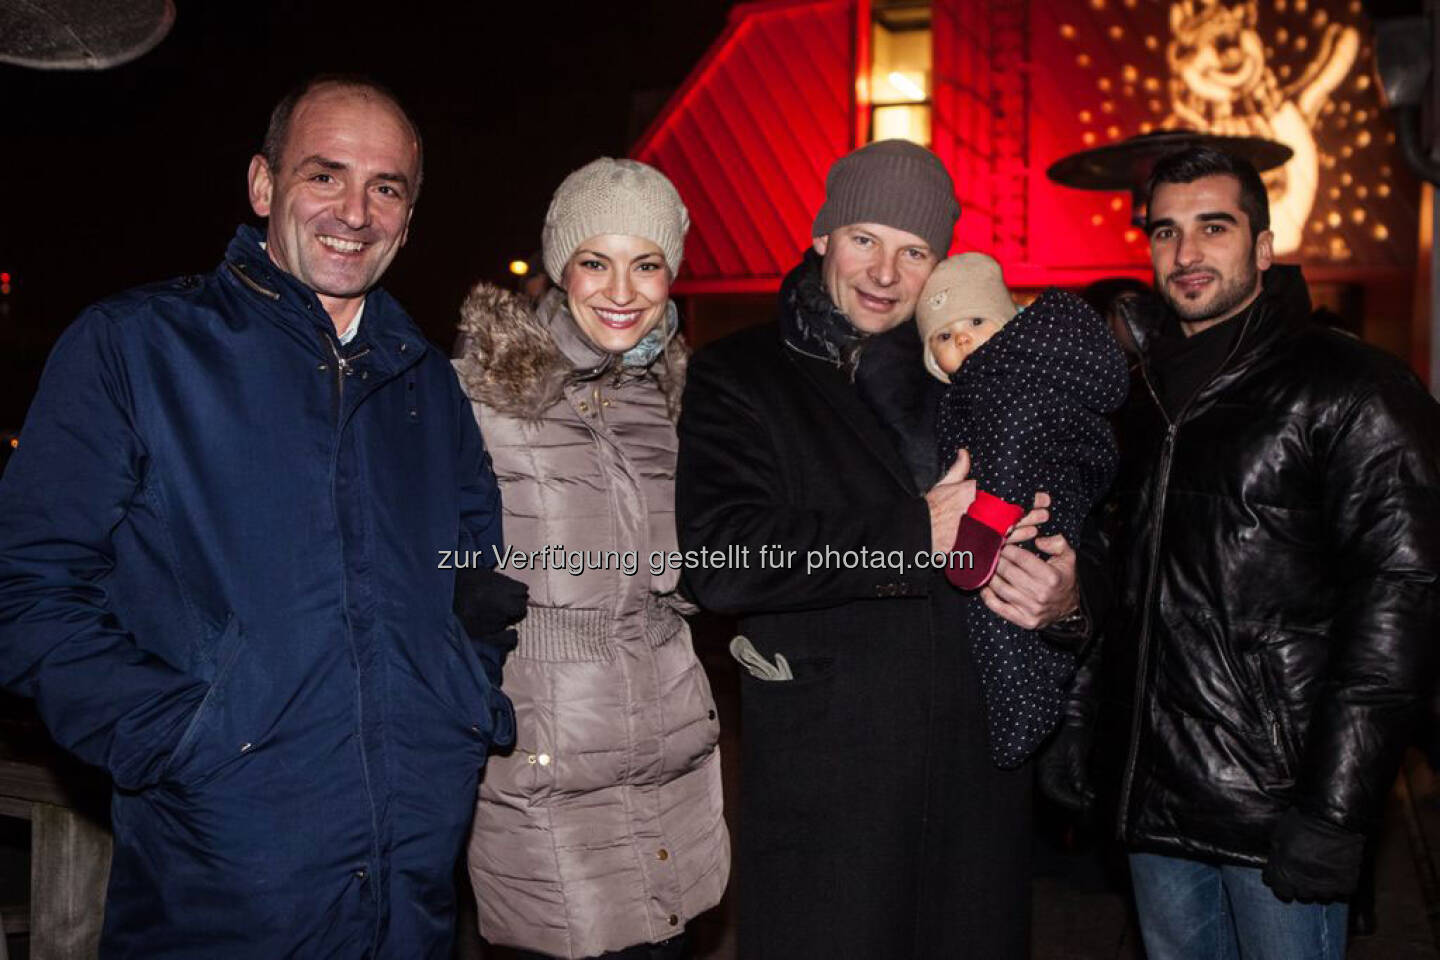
x=953, y=343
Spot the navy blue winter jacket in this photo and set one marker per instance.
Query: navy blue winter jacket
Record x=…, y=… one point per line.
x=218, y=580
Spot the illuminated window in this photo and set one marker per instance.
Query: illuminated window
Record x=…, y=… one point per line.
x=900, y=71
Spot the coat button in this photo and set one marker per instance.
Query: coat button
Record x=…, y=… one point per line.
x=404, y=347
x=544, y=759
x=673, y=920
x=710, y=714
x=361, y=873
x=662, y=854
x=322, y=367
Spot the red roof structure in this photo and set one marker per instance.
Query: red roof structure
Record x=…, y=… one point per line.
x=1010, y=87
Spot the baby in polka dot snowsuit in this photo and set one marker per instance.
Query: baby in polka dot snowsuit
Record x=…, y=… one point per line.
x=1028, y=395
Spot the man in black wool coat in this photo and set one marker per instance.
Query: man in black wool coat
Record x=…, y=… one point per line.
x=873, y=823
x=1267, y=657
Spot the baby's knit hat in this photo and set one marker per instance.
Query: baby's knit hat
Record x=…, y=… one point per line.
x=614, y=196
x=965, y=285
x=894, y=183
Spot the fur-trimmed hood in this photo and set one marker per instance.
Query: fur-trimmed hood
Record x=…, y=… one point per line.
x=518, y=359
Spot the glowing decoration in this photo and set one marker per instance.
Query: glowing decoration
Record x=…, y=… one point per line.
x=1380, y=232
x=1220, y=83
x=519, y=267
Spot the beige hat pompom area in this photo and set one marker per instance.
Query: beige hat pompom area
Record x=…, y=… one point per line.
x=607, y=196
x=965, y=285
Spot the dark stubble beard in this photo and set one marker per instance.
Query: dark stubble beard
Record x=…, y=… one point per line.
x=1229, y=297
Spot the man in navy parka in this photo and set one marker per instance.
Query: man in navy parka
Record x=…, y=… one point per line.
x=219, y=552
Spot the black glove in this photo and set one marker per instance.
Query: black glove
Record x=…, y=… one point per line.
x=1312, y=859
x=487, y=603
x=1064, y=768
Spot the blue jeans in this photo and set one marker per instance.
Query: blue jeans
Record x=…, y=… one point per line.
x=1200, y=911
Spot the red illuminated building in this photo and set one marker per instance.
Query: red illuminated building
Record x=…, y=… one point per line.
x=1000, y=90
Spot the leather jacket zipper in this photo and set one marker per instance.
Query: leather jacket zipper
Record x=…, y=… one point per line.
x=1157, y=517
x=1270, y=709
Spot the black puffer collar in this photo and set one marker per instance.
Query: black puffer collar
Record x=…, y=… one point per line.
x=1283, y=306
x=1281, y=310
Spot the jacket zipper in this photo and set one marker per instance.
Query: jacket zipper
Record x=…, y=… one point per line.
x=1157, y=517
x=343, y=369
x=1272, y=713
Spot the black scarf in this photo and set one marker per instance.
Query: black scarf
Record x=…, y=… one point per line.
x=811, y=323
x=892, y=380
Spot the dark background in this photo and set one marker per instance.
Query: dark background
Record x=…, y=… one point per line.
x=125, y=176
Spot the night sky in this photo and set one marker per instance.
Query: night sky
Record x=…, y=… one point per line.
x=125, y=176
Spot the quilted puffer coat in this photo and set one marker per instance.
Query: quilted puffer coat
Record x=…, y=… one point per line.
x=603, y=828
x=1275, y=549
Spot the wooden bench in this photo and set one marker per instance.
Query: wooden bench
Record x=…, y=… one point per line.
x=67, y=805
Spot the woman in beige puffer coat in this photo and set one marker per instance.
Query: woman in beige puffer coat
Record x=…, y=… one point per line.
x=602, y=830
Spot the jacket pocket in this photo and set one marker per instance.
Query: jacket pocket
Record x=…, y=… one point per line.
x=482, y=709
x=1272, y=713
x=227, y=647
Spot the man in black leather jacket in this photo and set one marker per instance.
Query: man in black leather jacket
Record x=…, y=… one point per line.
x=1272, y=546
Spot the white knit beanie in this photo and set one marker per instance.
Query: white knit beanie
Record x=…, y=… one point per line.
x=614, y=196
x=966, y=285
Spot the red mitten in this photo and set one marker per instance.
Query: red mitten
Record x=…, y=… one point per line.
x=982, y=533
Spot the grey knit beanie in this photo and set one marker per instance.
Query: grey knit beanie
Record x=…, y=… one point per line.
x=894, y=183
x=966, y=285
x=614, y=196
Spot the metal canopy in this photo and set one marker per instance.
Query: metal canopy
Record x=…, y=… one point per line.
x=81, y=34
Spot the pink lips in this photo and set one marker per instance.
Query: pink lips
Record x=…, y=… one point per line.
x=620, y=323
x=1192, y=282
x=878, y=304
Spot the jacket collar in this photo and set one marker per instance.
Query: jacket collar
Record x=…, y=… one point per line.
x=1281, y=310
x=822, y=343
x=388, y=332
